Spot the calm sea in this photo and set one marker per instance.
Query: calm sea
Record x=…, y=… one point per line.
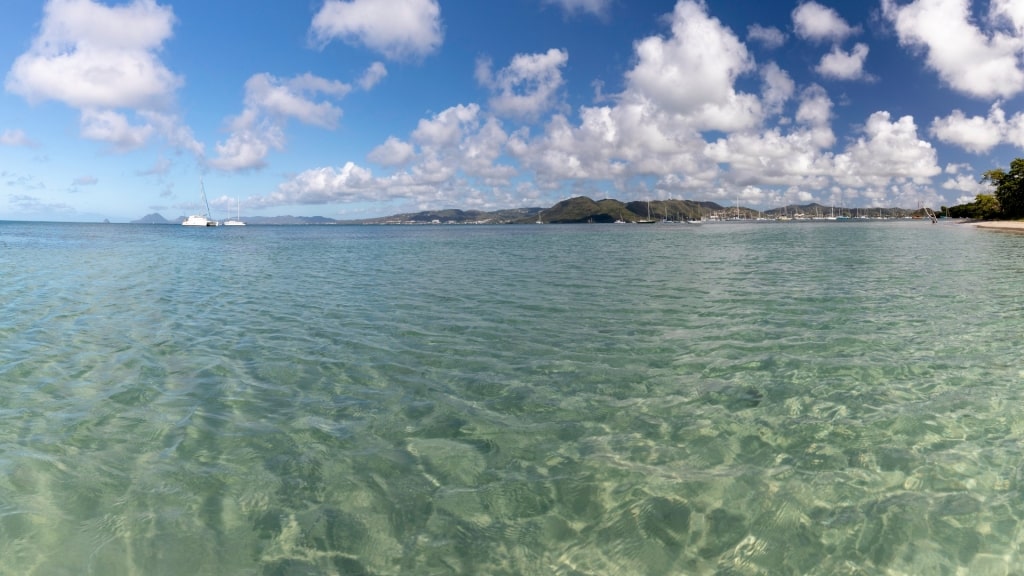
x=818, y=398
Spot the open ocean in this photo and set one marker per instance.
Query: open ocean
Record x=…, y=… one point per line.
x=742, y=399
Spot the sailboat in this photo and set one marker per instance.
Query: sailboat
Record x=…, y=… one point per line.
x=237, y=221
x=199, y=219
x=648, y=220
x=700, y=216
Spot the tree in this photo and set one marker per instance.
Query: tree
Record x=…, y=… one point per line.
x=1009, y=188
x=984, y=207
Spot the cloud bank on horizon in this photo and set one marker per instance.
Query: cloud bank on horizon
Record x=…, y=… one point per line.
x=365, y=107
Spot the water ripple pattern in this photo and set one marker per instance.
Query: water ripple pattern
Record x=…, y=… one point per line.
x=820, y=398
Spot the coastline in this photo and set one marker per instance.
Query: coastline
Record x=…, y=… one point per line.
x=1014, y=225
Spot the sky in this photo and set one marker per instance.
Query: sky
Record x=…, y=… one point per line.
x=361, y=108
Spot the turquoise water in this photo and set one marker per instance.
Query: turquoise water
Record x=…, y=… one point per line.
x=816, y=398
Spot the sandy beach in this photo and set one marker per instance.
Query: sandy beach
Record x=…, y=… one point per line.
x=1002, y=225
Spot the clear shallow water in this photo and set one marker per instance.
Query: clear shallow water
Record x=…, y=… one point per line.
x=833, y=398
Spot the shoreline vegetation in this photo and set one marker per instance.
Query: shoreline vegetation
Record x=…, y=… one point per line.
x=1004, y=207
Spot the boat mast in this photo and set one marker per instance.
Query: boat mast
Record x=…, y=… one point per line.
x=205, y=201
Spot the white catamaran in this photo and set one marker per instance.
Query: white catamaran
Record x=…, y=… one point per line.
x=199, y=219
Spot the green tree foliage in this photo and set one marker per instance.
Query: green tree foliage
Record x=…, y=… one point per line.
x=987, y=206
x=984, y=207
x=1009, y=188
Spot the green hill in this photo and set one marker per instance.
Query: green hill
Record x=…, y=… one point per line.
x=582, y=209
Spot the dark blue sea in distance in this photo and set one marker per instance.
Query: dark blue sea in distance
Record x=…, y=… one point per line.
x=750, y=399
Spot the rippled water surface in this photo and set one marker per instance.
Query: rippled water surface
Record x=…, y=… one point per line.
x=822, y=398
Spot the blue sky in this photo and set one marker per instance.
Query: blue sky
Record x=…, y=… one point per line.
x=360, y=108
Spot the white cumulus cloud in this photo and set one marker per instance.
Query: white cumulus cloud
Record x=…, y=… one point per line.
x=393, y=152
x=115, y=128
x=103, y=61
x=269, y=103
x=448, y=127
x=768, y=36
x=372, y=76
x=247, y=147
x=979, y=134
x=813, y=21
x=324, y=185
x=88, y=55
x=960, y=178
x=815, y=112
x=798, y=156
x=395, y=28
x=693, y=72
x=777, y=88
x=451, y=157
x=976, y=62
x=888, y=151
x=528, y=86
x=843, y=65
x=596, y=7
x=1011, y=11
x=293, y=98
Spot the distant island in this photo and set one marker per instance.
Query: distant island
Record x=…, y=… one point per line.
x=581, y=210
